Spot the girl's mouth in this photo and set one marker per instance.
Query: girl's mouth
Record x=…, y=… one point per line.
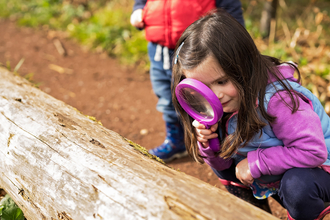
x=225, y=103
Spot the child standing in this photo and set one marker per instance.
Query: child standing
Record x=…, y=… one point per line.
x=164, y=22
x=274, y=135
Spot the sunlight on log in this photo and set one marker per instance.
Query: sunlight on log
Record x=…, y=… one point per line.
x=56, y=163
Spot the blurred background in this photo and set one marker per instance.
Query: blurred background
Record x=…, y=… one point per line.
x=295, y=30
x=106, y=76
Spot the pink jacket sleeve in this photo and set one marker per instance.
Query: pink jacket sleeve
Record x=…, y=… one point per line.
x=217, y=163
x=302, y=136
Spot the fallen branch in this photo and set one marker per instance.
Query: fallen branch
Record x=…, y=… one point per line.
x=56, y=163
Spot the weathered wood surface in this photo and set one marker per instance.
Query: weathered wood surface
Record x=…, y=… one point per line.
x=58, y=164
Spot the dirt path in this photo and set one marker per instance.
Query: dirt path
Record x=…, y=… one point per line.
x=121, y=98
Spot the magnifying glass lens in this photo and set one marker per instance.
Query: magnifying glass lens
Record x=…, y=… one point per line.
x=197, y=103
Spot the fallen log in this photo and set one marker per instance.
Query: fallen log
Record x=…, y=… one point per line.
x=56, y=163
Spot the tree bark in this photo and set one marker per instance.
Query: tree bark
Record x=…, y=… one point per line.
x=56, y=163
x=267, y=15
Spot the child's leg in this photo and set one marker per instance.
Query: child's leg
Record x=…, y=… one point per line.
x=242, y=192
x=161, y=82
x=304, y=192
x=173, y=146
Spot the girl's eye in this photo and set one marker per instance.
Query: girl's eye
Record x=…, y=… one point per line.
x=222, y=82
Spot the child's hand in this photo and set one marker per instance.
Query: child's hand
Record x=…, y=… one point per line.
x=136, y=18
x=243, y=172
x=203, y=134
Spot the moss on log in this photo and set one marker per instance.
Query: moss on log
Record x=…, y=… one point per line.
x=56, y=163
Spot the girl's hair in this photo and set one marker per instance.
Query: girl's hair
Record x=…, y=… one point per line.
x=219, y=35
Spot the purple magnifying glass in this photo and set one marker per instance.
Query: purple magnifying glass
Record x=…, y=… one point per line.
x=200, y=102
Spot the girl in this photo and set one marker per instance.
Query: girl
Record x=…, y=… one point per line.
x=274, y=135
x=164, y=22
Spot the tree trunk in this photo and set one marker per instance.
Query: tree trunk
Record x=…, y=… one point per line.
x=268, y=14
x=57, y=163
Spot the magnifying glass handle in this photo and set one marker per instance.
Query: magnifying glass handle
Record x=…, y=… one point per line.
x=214, y=144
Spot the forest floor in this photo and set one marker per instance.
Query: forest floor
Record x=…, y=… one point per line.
x=97, y=85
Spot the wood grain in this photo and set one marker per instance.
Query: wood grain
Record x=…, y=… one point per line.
x=56, y=163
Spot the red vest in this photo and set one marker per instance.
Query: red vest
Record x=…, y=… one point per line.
x=165, y=20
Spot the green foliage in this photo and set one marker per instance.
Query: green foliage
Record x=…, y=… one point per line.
x=104, y=26
x=300, y=34
x=311, y=18
x=99, y=25
x=109, y=30
x=53, y=13
x=9, y=210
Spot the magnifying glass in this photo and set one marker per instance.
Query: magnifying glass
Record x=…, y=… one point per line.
x=200, y=102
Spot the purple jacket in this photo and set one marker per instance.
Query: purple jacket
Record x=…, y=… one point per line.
x=301, y=134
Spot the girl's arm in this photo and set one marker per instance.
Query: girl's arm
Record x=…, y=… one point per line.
x=136, y=16
x=302, y=136
x=213, y=161
x=203, y=135
x=139, y=4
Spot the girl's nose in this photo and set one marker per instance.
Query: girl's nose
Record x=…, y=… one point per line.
x=219, y=94
x=217, y=91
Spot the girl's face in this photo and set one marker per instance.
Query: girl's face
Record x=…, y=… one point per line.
x=211, y=74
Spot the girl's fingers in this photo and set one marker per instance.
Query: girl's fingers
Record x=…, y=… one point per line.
x=196, y=124
x=206, y=144
x=214, y=127
x=139, y=25
x=203, y=131
x=202, y=134
x=204, y=138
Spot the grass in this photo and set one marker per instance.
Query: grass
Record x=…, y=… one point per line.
x=102, y=26
x=300, y=36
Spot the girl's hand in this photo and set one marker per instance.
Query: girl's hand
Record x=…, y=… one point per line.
x=203, y=134
x=243, y=172
x=136, y=18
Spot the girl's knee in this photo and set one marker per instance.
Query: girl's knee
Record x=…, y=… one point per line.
x=297, y=187
x=299, y=192
x=297, y=181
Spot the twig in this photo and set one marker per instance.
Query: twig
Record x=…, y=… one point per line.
x=272, y=31
x=60, y=69
x=59, y=47
x=295, y=37
x=286, y=32
x=18, y=65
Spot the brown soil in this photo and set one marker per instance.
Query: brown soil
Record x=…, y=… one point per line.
x=121, y=98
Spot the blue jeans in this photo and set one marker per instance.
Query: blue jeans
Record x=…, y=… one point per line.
x=302, y=191
x=161, y=83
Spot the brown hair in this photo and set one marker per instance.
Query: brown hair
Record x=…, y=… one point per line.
x=219, y=35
